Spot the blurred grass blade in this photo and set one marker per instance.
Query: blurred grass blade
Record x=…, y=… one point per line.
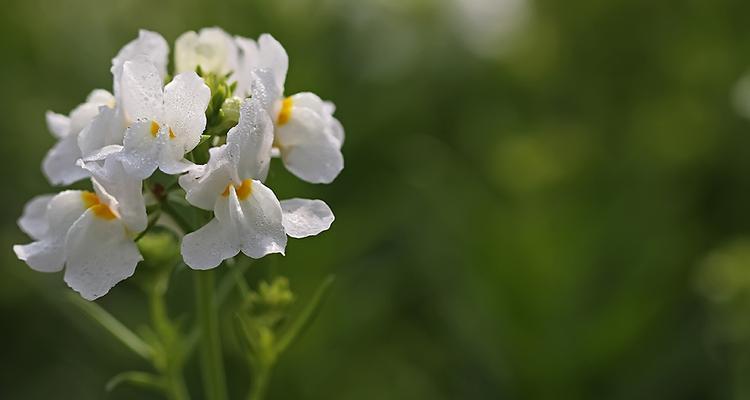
x=299, y=324
x=136, y=378
x=113, y=326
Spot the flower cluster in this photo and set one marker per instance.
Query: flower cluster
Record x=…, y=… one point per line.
x=214, y=126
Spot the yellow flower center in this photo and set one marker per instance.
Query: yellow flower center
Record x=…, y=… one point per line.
x=91, y=201
x=155, y=130
x=244, y=190
x=286, y=111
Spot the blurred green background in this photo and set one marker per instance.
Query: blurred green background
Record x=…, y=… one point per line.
x=541, y=200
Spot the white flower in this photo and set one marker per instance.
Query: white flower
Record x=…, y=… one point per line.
x=59, y=164
x=248, y=216
x=212, y=49
x=309, y=138
x=87, y=232
x=168, y=121
x=104, y=135
x=307, y=135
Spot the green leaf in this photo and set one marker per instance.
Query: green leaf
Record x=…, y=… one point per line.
x=113, y=326
x=303, y=320
x=136, y=378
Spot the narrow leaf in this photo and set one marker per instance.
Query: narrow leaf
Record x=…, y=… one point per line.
x=303, y=320
x=136, y=378
x=113, y=326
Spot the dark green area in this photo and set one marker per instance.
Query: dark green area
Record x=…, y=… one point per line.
x=536, y=225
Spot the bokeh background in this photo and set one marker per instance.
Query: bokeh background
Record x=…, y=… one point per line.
x=542, y=199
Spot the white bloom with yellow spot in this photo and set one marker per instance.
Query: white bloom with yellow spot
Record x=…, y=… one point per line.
x=169, y=120
x=88, y=233
x=247, y=215
x=307, y=136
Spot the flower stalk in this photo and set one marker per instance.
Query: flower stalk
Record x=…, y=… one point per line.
x=212, y=365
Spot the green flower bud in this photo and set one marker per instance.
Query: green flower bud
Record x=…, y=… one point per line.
x=230, y=110
x=161, y=252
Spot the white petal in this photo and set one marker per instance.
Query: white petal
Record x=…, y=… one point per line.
x=140, y=153
x=126, y=189
x=43, y=256
x=63, y=210
x=58, y=124
x=100, y=97
x=267, y=54
x=307, y=149
x=149, y=46
x=256, y=221
x=46, y=254
x=336, y=130
x=185, y=102
x=264, y=89
x=34, y=219
x=253, y=135
x=248, y=54
x=185, y=58
x=309, y=100
x=101, y=154
x=208, y=246
x=141, y=90
x=212, y=49
x=303, y=217
x=105, y=198
x=172, y=160
x=324, y=109
x=98, y=254
x=272, y=55
x=203, y=184
x=107, y=128
x=84, y=113
x=59, y=165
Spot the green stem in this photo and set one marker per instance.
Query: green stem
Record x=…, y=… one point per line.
x=258, y=387
x=173, y=358
x=211, y=354
x=223, y=290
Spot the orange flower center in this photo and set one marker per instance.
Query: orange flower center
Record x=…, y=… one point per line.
x=155, y=130
x=286, y=111
x=244, y=190
x=91, y=201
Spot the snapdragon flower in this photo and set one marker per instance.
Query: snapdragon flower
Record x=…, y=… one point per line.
x=247, y=215
x=76, y=136
x=169, y=120
x=306, y=134
x=120, y=139
x=89, y=233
